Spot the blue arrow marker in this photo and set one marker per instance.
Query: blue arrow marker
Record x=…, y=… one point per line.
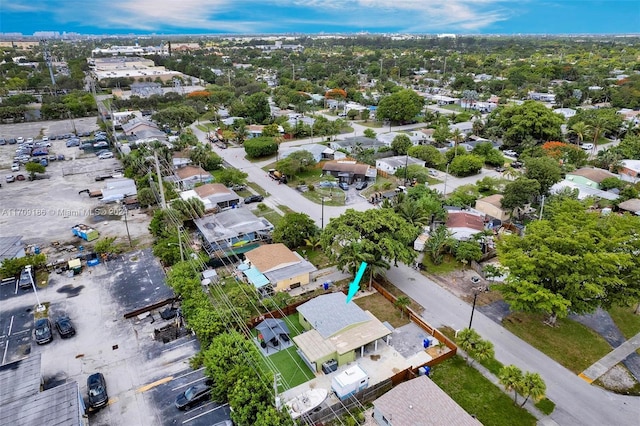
x=355, y=284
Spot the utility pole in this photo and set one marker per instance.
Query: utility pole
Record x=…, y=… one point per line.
x=180, y=243
x=541, y=208
x=163, y=202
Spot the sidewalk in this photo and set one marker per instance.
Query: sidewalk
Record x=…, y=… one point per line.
x=612, y=358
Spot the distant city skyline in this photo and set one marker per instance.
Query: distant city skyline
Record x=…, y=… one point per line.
x=121, y=17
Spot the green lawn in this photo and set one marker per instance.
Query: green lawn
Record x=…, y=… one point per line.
x=626, y=320
x=288, y=363
x=477, y=395
x=271, y=215
x=546, y=406
x=570, y=343
x=448, y=265
x=317, y=257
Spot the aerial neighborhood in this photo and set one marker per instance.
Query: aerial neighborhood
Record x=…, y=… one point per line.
x=319, y=230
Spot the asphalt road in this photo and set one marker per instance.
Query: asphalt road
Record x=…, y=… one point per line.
x=206, y=413
x=577, y=403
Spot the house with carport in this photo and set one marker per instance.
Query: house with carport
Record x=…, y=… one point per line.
x=188, y=176
x=337, y=331
x=349, y=171
x=284, y=269
x=392, y=164
x=214, y=196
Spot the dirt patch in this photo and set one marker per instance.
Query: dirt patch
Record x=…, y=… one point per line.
x=619, y=380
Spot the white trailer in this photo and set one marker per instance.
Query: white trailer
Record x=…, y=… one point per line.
x=350, y=381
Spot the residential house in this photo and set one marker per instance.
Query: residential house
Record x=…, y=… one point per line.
x=582, y=191
x=542, y=97
x=283, y=268
x=464, y=224
x=589, y=176
x=492, y=206
x=319, y=152
x=416, y=138
x=255, y=130
x=349, y=171
x=567, y=113
x=188, y=176
x=232, y=231
x=632, y=205
x=336, y=330
x=630, y=170
x=427, y=135
x=353, y=144
x=214, y=196
x=118, y=189
x=180, y=159
x=392, y=164
x=11, y=247
x=421, y=402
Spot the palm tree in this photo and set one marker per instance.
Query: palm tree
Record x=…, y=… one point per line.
x=581, y=130
x=482, y=350
x=457, y=137
x=377, y=266
x=402, y=302
x=411, y=212
x=467, y=339
x=511, y=378
x=313, y=241
x=532, y=386
x=511, y=173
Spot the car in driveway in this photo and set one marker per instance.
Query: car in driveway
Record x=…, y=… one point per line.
x=65, y=327
x=43, y=331
x=344, y=186
x=253, y=199
x=510, y=153
x=192, y=396
x=105, y=155
x=361, y=185
x=97, y=390
x=587, y=146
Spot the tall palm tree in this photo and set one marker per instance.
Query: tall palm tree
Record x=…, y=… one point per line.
x=457, y=137
x=581, y=130
x=376, y=266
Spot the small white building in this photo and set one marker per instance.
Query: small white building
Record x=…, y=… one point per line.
x=392, y=164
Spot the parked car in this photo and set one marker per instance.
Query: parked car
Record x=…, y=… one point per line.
x=45, y=138
x=60, y=157
x=500, y=169
x=86, y=145
x=12, y=141
x=43, y=331
x=105, y=155
x=101, y=144
x=587, y=146
x=253, y=199
x=15, y=167
x=44, y=162
x=73, y=142
x=24, y=281
x=97, y=390
x=516, y=164
x=20, y=176
x=20, y=140
x=52, y=158
x=65, y=327
x=192, y=396
x=344, y=186
x=510, y=153
x=361, y=185
x=29, y=140
x=3, y=141
x=102, y=151
x=10, y=178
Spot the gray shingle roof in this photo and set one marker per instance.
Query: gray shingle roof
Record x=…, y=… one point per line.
x=330, y=313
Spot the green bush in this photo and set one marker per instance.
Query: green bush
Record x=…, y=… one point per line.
x=260, y=147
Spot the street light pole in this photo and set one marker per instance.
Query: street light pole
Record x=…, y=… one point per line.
x=126, y=223
x=406, y=163
x=322, y=215
x=446, y=175
x=473, y=308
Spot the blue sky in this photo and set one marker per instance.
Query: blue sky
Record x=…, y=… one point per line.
x=317, y=16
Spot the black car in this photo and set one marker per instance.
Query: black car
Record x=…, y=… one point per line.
x=344, y=186
x=361, y=185
x=65, y=327
x=97, y=390
x=43, y=331
x=192, y=396
x=253, y=199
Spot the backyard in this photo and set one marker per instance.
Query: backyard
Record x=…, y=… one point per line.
x=382, y=309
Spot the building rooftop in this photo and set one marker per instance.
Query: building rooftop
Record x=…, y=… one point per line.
x=272, y=256
x=19, y=379
x=400, y=161
x=593, y=174
x=189, y=171
x=462, y=219
x=330, y=313
x=231, y=224
x=494, y=200
x=10, y=247
x=420, y=401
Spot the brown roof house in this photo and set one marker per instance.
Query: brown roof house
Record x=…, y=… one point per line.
x=420, y=402
x=464, y=224
x=283, y=268
x=349, y=171
x=492, y=206
x=187, y=177
x=589, y=176
x=214, y=196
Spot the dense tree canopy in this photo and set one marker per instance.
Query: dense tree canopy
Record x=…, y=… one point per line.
x=294, y=229
x=528, y=124
x=573, y=261
x=377, y=233
x=401, y=106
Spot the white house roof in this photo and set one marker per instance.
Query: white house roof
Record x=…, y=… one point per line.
x=330, y=313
